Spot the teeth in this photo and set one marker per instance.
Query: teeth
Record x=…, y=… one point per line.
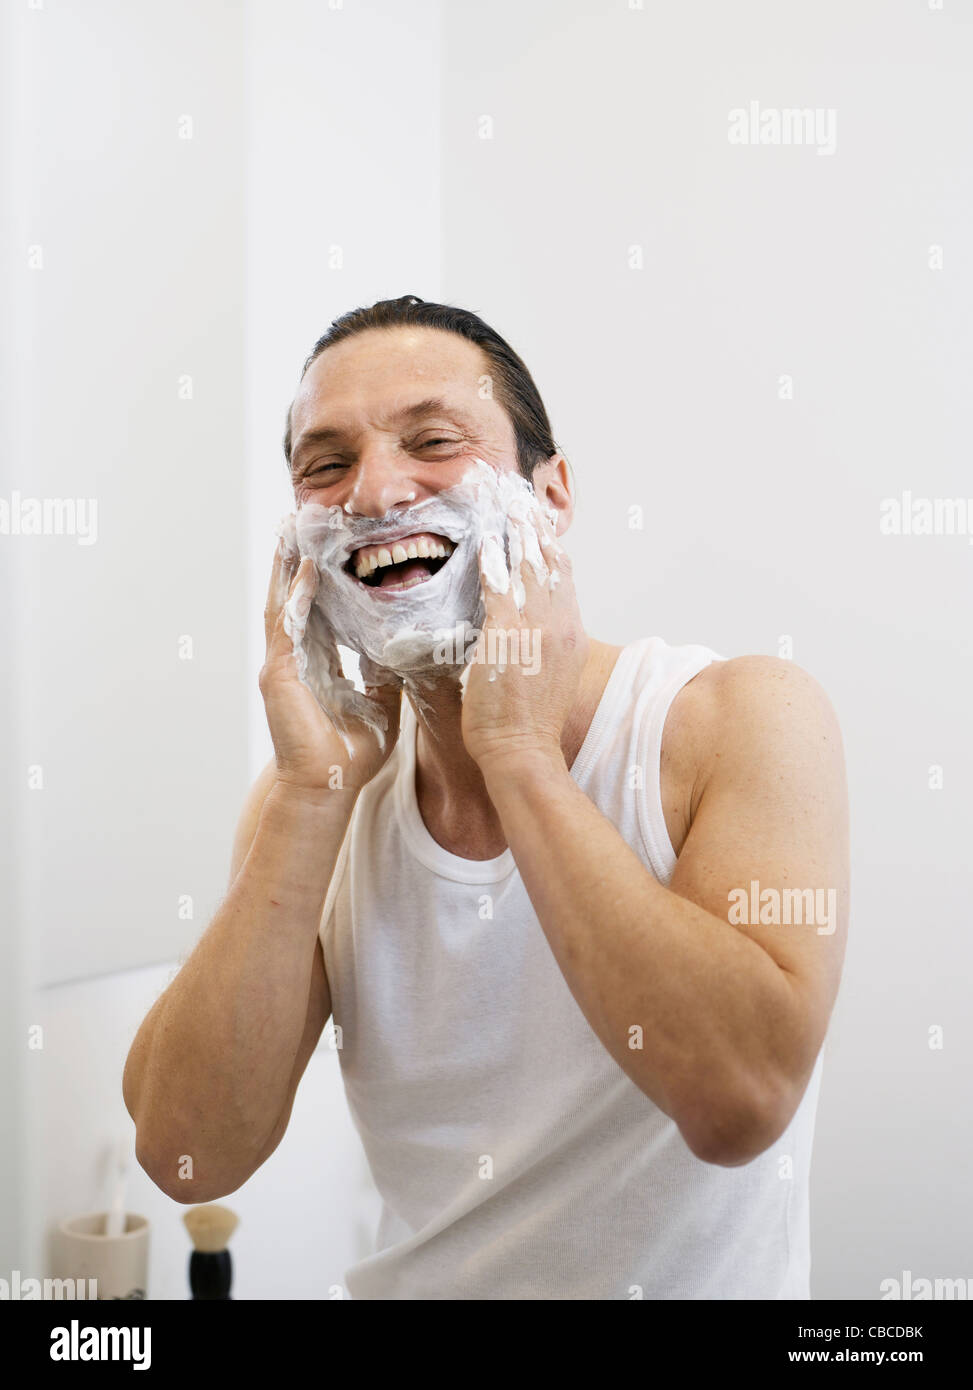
x=424, y=549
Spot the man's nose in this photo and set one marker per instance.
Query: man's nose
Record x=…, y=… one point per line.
x=380, y=480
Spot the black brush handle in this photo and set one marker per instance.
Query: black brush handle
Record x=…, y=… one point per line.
x=210, y=1273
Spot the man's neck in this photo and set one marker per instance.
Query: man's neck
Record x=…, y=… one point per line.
x=450, y=789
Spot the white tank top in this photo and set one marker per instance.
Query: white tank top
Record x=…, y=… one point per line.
x=514, y=1157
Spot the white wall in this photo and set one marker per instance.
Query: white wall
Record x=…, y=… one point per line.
x=15, y=980
x=141, y=236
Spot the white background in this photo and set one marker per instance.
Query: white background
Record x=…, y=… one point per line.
x=337, y=158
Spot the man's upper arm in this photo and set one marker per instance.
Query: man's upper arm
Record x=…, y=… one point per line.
x=767, y=850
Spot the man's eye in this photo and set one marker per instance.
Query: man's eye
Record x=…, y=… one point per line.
x=428, y=443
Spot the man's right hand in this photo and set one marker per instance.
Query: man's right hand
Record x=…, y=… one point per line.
x=308, y=742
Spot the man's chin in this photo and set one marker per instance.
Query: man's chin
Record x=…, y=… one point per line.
x=410, y=652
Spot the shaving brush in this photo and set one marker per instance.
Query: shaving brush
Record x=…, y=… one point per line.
x=210, y=1267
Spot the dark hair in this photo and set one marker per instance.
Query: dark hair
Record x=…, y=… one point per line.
x=513, y=387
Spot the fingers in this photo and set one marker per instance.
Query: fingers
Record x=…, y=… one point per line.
x=281, y=574
x=323, y=670
x=499, y=598
x=287, y=635
x=523, y=581
x=535, y=562
x=546, y=520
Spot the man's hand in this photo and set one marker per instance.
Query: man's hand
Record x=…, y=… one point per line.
x=310, y=742
x=526, y=671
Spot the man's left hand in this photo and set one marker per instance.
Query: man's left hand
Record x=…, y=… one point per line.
x=526, y=670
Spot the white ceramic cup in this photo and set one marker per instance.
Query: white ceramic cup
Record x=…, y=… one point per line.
x=120, y=1264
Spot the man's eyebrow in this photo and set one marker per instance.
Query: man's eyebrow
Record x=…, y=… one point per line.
x=432, y=405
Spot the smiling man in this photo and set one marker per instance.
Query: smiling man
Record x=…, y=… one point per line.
x=579, y=1071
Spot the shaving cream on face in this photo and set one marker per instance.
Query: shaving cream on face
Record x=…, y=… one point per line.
x=399, y=632
x=317, y=658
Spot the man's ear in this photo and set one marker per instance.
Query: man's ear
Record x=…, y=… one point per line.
x=554, y=486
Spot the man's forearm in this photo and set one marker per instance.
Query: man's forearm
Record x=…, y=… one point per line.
x=716, y=1014
x=209, y=1072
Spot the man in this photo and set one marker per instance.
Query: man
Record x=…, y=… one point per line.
x=570, y=921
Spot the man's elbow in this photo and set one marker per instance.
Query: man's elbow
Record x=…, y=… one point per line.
x=178, y=1177
x=161, y=1175
x=733, y=1134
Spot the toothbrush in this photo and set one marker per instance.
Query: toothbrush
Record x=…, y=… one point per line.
x=115, y=1217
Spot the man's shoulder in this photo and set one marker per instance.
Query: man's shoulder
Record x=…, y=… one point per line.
x=738, y=707
x=734, y=685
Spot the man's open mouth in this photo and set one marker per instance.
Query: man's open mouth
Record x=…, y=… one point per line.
x=402, y=563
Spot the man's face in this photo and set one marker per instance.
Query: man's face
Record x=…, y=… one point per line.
x=388, y=419
x=401, y=460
